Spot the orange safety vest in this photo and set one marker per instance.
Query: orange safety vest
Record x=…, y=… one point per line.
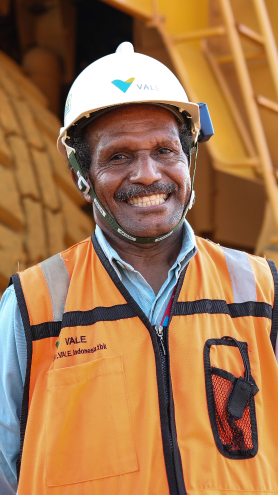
x=106, y=412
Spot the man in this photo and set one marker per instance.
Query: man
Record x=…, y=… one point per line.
x=148, y=364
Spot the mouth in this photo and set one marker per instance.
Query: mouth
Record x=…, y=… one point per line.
x=151, y=200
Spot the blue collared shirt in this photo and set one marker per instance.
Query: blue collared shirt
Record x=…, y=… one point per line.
x=13, y=345
x=153, y=306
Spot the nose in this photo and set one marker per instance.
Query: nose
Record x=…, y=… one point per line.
x=145, y=170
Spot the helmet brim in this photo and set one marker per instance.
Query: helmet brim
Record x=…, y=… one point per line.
x=190, y=107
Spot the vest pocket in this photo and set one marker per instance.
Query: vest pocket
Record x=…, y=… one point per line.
x=231, y=403
x=88, y=428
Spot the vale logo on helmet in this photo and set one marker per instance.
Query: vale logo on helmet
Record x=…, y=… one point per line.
x=124, y=85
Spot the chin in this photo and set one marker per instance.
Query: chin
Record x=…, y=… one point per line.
x=148, y=231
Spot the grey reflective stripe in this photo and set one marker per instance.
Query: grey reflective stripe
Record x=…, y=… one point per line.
x=242, y=276
x=57, y=279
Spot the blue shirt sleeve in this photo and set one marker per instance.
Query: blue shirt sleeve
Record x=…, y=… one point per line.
x=13, y=358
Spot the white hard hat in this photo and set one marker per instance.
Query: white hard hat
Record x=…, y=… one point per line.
x=121, y=78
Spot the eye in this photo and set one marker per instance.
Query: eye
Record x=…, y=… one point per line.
x=164, y=151
x=118, y=156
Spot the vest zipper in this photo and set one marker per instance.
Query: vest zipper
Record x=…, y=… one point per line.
x=171, y=414
x=159, y=330
x=159, y=333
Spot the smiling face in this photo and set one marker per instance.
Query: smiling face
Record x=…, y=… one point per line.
x=139, y=170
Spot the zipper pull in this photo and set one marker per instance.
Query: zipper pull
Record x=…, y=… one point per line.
x=159, y=333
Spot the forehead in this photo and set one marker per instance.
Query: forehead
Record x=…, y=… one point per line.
x=133, y=121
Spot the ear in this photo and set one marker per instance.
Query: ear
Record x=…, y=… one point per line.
x=75, y=180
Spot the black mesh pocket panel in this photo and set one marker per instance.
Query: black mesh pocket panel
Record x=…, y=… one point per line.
x=231, y=407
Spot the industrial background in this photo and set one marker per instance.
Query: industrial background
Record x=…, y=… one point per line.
x=224, y=52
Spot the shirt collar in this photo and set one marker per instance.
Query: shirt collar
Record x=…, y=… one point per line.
x=188, y=246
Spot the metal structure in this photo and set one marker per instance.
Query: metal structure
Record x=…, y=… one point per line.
x=224, y=52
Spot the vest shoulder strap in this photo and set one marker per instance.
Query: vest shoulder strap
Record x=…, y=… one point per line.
x=253, y=280
x=247, y=273
x=274, y=327
x=58, y=280
x=241, y=274
x=244, y=284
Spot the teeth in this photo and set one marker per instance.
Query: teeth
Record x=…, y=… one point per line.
x=143, y=201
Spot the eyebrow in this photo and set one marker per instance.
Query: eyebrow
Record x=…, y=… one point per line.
x=123, y=145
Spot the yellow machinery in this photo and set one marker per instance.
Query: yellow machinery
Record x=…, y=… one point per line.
x=224, y=52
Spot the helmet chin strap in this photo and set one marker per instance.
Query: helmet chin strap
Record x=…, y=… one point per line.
x=86, y=188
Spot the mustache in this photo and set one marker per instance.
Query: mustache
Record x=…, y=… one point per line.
x=137, y=190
